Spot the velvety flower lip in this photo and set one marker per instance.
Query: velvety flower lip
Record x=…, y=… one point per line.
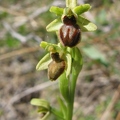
x=70, y=32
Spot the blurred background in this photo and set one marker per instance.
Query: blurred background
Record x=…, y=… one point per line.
x=22, y=28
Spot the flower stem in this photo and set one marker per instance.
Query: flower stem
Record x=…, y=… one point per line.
x=71, y=3
x=67, y=3
x=69, y=111
x=72, y=94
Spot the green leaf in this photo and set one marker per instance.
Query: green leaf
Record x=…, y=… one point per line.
x=44, y=62
x=76, y=68
x=63, y=107
x=81, y=9
x=69, y=64
x=77, y=59
x=54, y=25
x=64, y=87
x=94, y=54
x=85, y=24
x=56, y=10
x=57, y=113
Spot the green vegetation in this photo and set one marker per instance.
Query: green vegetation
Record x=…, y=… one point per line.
x=100, y=51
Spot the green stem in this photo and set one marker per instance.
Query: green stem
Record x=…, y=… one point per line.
x=72, y=94
x=71, y=3
x=74, y=3
x=69, y=111
x=73, y=86
x=67, y=3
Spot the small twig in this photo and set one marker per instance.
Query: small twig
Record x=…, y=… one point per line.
x=36, y=13
x=10, y=11
x=20, y=37
x=118, y=116
x=16, y=35
x=32, y=16
x=115, y=98
x=31, y=90
x=18, y=52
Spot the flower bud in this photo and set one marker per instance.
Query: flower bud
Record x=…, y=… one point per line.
x=70, y=33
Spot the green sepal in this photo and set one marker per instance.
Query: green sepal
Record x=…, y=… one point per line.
x=85, y=24
x=40, y=103
x=57, y=10
x=44, y=62
x=81, y=9
x=64, y=87
x=54, y=25
x=67, y=12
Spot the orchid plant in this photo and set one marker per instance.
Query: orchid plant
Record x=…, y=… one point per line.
x=64, y=60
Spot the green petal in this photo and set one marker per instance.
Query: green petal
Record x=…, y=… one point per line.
x=56, y=10
x=85, y=24
x=81, y=9
x=54, y=25
x=44, y=62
